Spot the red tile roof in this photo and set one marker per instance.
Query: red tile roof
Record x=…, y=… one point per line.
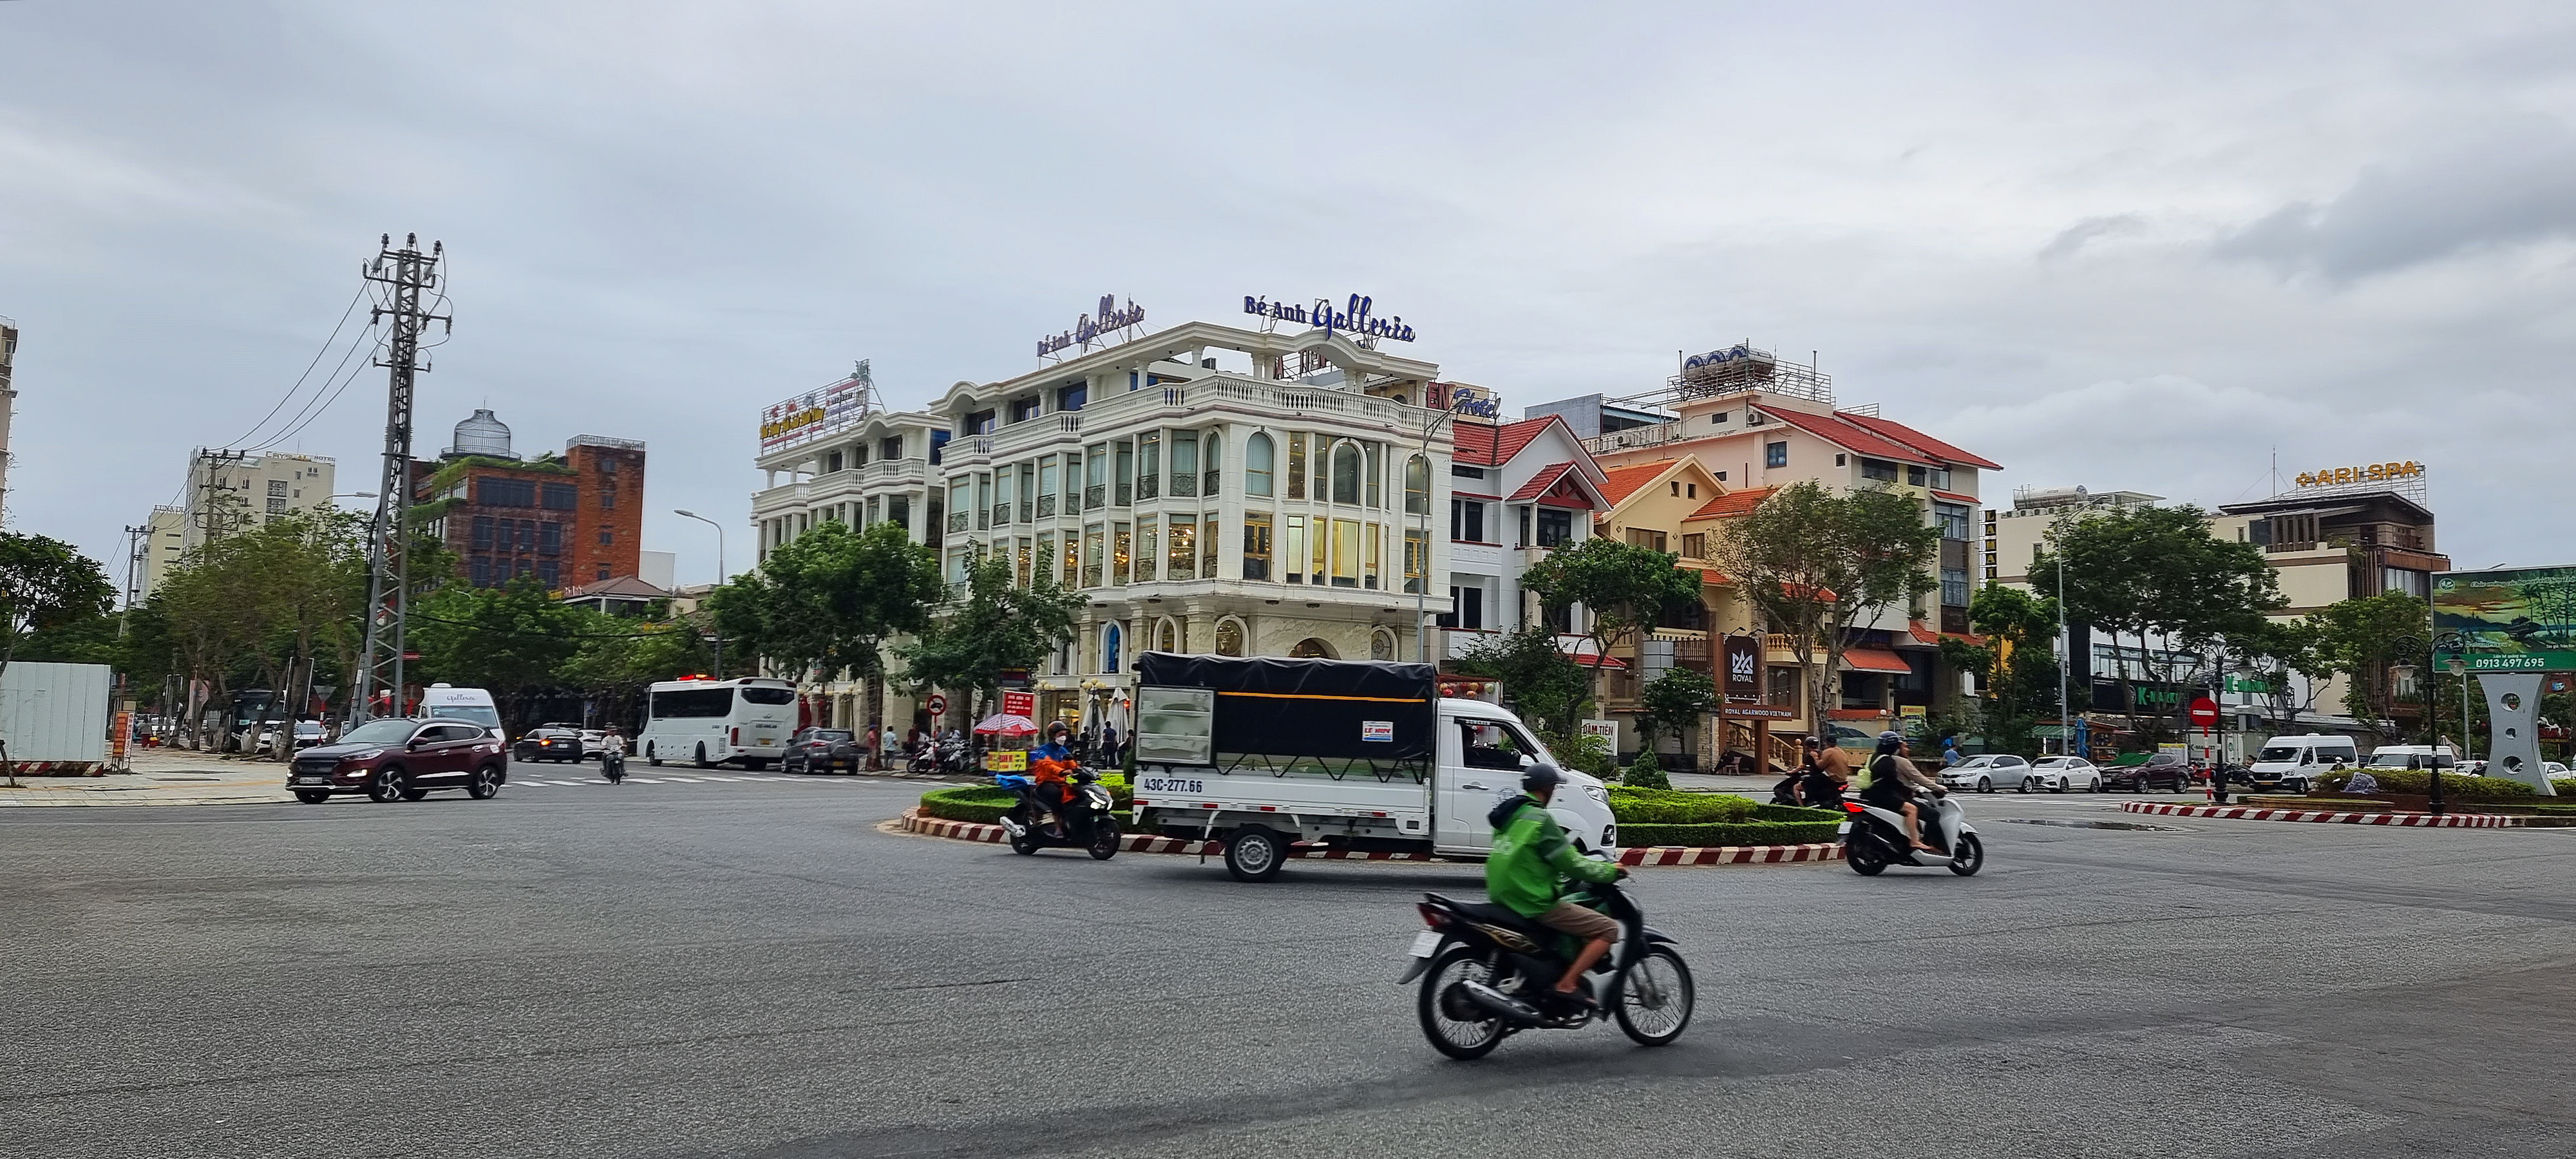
x=1707, y=577
x=1834, y=429
x=1495, y=446
x=1920, y=441
x=1733, y=503
x=1539, y=483
x=1625, y=481
x=1874, y=660
x=1955, y=497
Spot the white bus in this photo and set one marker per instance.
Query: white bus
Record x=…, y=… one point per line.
x=710, y=722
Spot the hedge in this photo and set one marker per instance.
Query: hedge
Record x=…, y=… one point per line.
x=1672, y=807
x=2419, y=782
x=985, y=804
x=1741, y=833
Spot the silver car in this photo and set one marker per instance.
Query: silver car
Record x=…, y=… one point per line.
x=2058, y=774
x=1987, y=772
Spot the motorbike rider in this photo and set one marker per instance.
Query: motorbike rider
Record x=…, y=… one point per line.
x=1527, y=871
x=1820, y=786
x=1892, y=781
x=1048, y=765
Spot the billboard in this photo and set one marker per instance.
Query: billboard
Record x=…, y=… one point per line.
x=817, y=413
x=2507, y=619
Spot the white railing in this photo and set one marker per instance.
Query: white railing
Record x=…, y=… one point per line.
x=1635, y=437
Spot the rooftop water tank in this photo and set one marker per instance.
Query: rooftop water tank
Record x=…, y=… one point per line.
x=483, y=435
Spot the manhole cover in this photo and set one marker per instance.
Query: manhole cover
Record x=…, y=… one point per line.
x=2094, y=824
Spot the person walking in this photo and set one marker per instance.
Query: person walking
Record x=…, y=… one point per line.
x=1109, y=744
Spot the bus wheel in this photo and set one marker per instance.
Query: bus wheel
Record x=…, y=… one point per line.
x=652, y=758
x=703, y=762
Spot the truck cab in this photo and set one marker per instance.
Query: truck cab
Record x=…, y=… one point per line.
x=1483, y=751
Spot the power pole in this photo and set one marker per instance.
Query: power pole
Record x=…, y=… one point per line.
x=138, y=540
x=404, y=272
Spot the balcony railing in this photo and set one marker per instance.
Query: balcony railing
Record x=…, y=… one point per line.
x=1001, y=515
x=1046, y=506
x=1147, y=487
x=1095, y=496
x=1207, y=485
x=1124, y=497
x=1184, y=487
x=956, y=521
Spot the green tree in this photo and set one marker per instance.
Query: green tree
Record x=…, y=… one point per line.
x=508, y=640
x=2363, y=639
x=2015, y=664
x=831, y=600
x=1546, y=688
x=2290, y=659
x=2157, y=573
x=1624, y=589
x=998, y=626
x=617, y=658
x=1817, y=563
x=44, y=583
x=1675, y=703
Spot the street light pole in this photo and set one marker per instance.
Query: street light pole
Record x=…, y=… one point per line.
x=2066, y=649
x=1422, y=585
x=720, y=575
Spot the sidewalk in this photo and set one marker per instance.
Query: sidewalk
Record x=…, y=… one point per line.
x=160, y=777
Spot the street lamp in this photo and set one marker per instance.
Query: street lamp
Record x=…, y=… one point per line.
x=1422, y=584
x=720, y=575
x=2404, y=673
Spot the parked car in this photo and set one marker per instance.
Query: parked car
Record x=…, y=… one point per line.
x=550, y=742
x=402, y=759
x=2058, y=774
x=2160, y=769
x=595, y=744
x=1987, y=772
x=814, y=750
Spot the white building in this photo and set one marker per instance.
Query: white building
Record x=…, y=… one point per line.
x=1210, y=488
x=231, y=491
x=8, y=403
x=1517, y=491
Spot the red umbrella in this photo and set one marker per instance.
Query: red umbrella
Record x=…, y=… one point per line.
x=1006, y=724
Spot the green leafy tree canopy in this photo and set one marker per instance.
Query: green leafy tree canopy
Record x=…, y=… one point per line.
x=1542, y=684
x=998, y=626
x=1818, y=562
x=831, y=600
x=1626, y=589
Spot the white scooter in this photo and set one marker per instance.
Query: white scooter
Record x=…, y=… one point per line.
x=1874, y=838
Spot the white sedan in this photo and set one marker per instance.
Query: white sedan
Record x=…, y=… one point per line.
x=2058, y=774
x=1987, y=772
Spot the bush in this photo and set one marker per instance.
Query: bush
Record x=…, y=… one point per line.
x=2565, y=785
x=1797, y=813
x=2419, y=782
x=1742, y=833
x=1669, y=807
x=1584, y=753
x=1646, y=772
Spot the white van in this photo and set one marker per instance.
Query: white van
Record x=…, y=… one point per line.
x=453, y=703
x=2414, y=756
x=2295, y=762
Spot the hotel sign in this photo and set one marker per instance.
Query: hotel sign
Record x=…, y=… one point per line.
x=816, y=413
x=2373, y=473
x=1356, y=317
x=1464, y=401
x=1091, y=326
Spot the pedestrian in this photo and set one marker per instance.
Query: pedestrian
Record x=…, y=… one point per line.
x=1950, y=757
x=1109, y=744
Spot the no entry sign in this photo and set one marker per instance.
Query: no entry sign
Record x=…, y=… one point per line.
x=2204, y=713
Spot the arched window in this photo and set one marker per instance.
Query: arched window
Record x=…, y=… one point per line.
x=1381, y=645
x=1417, y=486
x=1256, y=465
x=1229, y=637
x=1346, y=473
x=1311, y=648
x=1167, y=636
x=1212, y=461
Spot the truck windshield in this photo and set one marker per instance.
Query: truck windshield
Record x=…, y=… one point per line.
x=2278, y=753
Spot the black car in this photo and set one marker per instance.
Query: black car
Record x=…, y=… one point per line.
x=816, y=750
x=549, y=742
x=2161, y=769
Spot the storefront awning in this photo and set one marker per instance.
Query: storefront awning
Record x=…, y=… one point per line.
x=1875, y=660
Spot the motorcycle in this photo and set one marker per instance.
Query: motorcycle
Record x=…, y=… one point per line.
x=612, y=764
x=1874, y=837
x=1084, y=821
x=1488, y=973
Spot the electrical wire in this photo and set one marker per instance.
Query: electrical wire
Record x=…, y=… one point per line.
x=318, y=355
x=315, y=406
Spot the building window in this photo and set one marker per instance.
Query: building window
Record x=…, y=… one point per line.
x=1466, y=516
x=1256, y=545
x=1376, y=472
x=1954, y=587
x=546, y=573
x=506, y=493
x=1024, y=409
x=277, y=486
x=561, y=497
x=527, y=535
x=603, y=571
x=606, y=537
x=550, y=539
x=481, y=571
x=1125, y=472
x=1296, y=466
x=608, y=499
x=1913, y=475
x=1072, y=561
x=832, y=462
x=1417, y=486
x=890, y=448
x=1181, y=538
x=483, y=532
x=1167, y=636
x=1292, y=553
x=1952, y=518
x=1878, y=470
x=1149, y=547
x=898, y=508
x=1072, y=396
x=1524, y=514
x=276, y=505
x=1555, y=526
x=1695, y=545
x=1149, y=465
x=1775, y=454
x=1257, y=452
x=1185, y=464
x=1641, y=537
x=980, y=423
x=1346, y=473
x=1212, y=466
x=1229, y=637
x=1417, y=560
x=1458, y=472
x=1469, y=605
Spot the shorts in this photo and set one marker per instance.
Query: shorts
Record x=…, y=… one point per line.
x=1584, y=923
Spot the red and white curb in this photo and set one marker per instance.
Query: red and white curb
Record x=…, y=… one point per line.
x=914, y=822
x=2408, y=820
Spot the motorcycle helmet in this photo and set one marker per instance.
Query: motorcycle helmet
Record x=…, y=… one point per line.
x=1058, y=731
x=1888, y=742
x=1541, y=778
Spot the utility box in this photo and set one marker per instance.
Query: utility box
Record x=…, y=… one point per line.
x=54, y=716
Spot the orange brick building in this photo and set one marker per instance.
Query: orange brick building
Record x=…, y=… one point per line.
x=567, y=520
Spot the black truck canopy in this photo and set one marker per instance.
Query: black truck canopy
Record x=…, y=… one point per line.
x=1280, y=707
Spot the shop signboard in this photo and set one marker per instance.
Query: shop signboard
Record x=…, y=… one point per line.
x=1020, y=703
x=818, y=413
x=2507, y=619
x=1743, y=666
x=1607, y=730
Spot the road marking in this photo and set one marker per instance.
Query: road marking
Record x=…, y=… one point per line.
x=686, y=780
x=644, y=780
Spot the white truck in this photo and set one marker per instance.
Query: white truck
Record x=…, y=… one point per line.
x=1263, y=752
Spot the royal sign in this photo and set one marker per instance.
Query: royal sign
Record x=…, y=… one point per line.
x=1090, y=326
x=1357, y=317
x=2374, y=473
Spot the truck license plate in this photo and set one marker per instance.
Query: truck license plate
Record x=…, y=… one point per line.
x=1425, y=942
x=1171, y=785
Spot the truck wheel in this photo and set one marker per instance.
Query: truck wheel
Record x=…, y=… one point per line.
x=1254, y=853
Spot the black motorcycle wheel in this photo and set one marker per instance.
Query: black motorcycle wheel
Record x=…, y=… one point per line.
x=1656, y=997
x=1104, y=838
x=1024, y=842
x=1863, y=860
x=1456, y=1027
x=1971, y=856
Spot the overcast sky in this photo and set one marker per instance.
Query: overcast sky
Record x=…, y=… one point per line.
x=2138, y=246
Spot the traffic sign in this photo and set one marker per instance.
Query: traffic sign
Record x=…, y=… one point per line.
x=937, y=704
x=2204, y=713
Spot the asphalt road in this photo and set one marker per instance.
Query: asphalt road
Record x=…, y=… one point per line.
x=751, y=968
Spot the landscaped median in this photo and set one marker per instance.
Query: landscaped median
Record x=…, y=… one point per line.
x=2330, y=816
x=1660, y=827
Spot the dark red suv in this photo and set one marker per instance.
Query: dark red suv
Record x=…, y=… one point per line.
x=402, y=760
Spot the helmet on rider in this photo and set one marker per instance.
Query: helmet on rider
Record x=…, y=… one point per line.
x=1058, y=730
x=1541, y=779
x=1888, y=742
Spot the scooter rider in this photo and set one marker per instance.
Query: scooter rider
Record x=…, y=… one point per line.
x=1892, y=781
x=1527, y=870
x=1048, y=764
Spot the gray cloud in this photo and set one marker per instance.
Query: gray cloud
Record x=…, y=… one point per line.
x=2073, y=238
x=2504, y=184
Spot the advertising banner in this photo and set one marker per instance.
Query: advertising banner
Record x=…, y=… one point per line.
x=1743, y=667
x=2507, y=619
x=1020, y=703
